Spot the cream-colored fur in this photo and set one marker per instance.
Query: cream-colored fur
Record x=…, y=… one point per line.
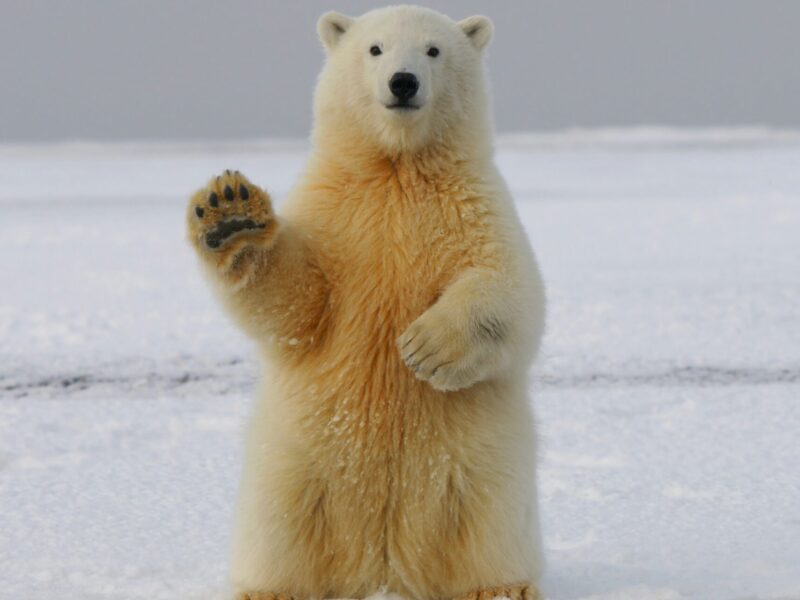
x=398, y=307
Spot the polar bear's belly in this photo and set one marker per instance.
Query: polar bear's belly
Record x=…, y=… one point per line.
x=400, y=474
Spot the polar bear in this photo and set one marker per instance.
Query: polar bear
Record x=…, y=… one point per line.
x=398, y=307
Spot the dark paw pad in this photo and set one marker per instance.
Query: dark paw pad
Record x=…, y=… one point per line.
x=227, y=228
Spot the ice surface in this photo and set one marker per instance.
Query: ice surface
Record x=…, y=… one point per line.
x=668, y=394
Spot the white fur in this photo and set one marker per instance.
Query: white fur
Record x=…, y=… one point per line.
x=356, y=83
x=351, y=97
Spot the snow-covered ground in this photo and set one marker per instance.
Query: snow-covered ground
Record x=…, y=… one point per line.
x=668, y=394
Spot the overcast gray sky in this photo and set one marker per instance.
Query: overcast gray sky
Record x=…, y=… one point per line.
x=113, y=69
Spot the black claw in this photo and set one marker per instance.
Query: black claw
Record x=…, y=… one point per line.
x=243, y=192
x=198, y=210
x=213, y=199
x=228, y=193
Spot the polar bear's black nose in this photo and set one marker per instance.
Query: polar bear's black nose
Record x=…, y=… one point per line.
x=404, y=86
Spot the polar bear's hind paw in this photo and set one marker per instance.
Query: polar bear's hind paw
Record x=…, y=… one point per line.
x=509, y=592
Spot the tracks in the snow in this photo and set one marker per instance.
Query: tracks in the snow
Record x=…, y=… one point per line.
x=679, y=376
x=188, y=375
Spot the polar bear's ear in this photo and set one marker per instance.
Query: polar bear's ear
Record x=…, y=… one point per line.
x=331, y=27
x=478, y=30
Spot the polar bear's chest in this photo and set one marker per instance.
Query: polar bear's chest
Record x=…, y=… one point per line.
x=390, y=246
x=403, y=258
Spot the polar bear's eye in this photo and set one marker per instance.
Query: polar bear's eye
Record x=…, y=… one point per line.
x=375, y=51
x=433, y=51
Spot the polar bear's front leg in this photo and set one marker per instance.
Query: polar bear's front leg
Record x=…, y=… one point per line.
x=467, y=336
x=265, y=273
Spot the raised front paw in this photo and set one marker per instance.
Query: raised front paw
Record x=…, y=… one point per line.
x=448, y=354
x=227, y=210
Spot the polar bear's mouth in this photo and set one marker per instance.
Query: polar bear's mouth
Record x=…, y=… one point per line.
x=402, y=106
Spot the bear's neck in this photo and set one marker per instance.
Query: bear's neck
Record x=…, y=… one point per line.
x=348, y=151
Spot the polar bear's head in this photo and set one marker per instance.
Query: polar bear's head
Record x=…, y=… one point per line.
x=402, y=76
